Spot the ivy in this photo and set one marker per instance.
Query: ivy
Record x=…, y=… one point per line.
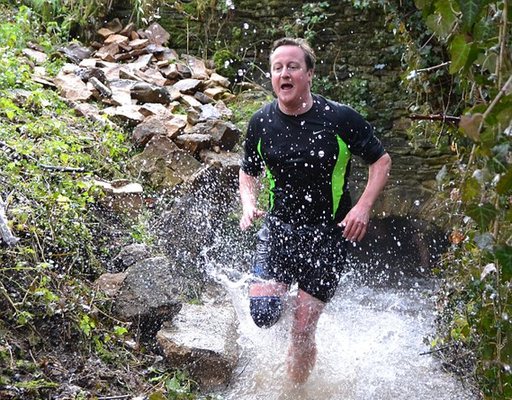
x=472, y=37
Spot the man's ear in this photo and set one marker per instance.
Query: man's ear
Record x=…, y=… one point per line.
x=311, y=72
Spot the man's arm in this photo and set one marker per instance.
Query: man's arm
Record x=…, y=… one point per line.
x=248, y=186
x=355, y=222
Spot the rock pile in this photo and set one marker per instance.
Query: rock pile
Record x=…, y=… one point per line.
x=175, y=104
x=176, y=109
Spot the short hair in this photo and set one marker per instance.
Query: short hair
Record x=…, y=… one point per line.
x=309, y=54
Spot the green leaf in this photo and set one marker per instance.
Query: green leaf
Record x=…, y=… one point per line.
x=157, y=396
x=488, y=138
x=483, y=214
x=504, y=186
x=421, y=3
x=120, y=330
x=470, y=11
x=503, y=110
x=470, y=189
x=504, y=256
x=459, y=52
x=442, y=21
x=448, y=18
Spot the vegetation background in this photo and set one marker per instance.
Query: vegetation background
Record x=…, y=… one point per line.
x=456, y=64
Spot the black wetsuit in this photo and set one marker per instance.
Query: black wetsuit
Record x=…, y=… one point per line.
x=307, y=161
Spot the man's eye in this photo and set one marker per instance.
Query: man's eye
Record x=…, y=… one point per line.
x=278, y=69
x=293, y=68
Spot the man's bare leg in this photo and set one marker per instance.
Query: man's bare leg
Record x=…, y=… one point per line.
x=302, y=351
x=267, y=288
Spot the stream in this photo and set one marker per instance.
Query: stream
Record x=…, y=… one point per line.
x=371, y=345
x=371, y=338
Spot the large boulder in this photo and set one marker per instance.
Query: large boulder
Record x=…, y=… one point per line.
x=152, y=292
x=202, y=340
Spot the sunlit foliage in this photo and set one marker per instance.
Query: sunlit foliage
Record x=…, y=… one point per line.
x=457, y=68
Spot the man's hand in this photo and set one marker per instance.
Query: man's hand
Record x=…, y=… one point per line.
x=355, y=224
x=249, y=215
x=248, y=191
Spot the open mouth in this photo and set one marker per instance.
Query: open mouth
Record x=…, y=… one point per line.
x=286, y=86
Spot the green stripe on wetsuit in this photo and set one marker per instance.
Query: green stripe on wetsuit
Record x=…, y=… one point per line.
x=271, y=181
x=338, y=175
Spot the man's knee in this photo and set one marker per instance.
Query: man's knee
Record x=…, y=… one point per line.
x=265, y=310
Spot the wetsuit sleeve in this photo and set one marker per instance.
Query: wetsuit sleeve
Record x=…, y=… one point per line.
x=251, y=163
x=361, y=138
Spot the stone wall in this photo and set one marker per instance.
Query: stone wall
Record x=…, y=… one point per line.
x=356, y=52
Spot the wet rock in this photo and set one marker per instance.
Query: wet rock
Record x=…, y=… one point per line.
x=219, y=80
x=37, y=57
x=104, y=91
x=157, y=109
x=151, y=293
x=121, y=196
x=118, y=39
x=204, y=346
x=88, y=73
x=190, y=102
x=197, y=66
x=110, y=284
x=171, y=72
x=105, y=32
x=111, y=70
x=125, y=73
x=163, y=164
x=91, y=112
x=108, y=52
x=188, y=86
x=126, y=113
x=224, y=135
x=193, y=142
x=115, y=25
x=156, y=34
x=128, y=29
x=203, y=98
x=216, y=93
x=121, y=92
x=225, y=111
x=147, y=93
x=175, y=126
x=209, y=112
x=153, y=76
x=131, y=254
x=222, y=160
x=72, y=87
x=149, y=128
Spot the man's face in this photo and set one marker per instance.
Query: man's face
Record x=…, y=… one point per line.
x=291, y=79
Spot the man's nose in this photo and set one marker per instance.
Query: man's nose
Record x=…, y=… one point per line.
x=285, y=72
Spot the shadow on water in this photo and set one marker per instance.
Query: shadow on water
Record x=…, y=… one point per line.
x=397, y=250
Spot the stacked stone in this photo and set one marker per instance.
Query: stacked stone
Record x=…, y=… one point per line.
x=176, y=104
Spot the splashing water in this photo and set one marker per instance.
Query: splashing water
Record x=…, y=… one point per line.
x=370, y=346
x=371, y=335
x=370, y=340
